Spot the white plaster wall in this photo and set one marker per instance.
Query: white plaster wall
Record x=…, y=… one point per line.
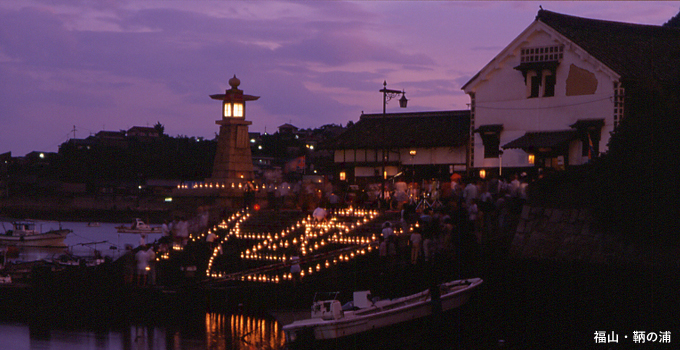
x=501, y=99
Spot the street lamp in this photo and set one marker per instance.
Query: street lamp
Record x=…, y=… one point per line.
x=387, y=96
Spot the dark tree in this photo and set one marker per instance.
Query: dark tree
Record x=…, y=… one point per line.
x=160, y=128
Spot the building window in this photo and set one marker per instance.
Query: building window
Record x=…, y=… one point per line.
x=491, y=138
x=549, y=86
x=618, y=103
x=535, y=86
x=491, y=145
x=471, y=144
x=591, y=143
x=539, y=67
x=589, y=132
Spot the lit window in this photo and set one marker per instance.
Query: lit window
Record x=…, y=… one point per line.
x=238, y=110
x=531, y=159
x=227, y=109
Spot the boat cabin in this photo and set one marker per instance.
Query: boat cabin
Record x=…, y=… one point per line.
x=327, y=310
x=23, y=228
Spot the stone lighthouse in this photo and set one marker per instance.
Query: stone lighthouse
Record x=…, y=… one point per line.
x=233, y=160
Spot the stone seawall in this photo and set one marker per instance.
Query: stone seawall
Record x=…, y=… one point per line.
x=572, y=235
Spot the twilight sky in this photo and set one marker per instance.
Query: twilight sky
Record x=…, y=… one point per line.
x=114, y=64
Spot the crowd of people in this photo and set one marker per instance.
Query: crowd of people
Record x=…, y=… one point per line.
x=452, y=222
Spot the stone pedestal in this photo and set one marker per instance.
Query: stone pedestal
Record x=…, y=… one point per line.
x=233, y=160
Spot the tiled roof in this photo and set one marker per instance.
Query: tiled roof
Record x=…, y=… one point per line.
x=631, y=50
x=542, y=139
x=401, y=130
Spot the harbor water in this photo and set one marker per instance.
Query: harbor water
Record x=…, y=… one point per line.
x=83, y=241
x=194, y=332
x=198, y=330
x=523, y=304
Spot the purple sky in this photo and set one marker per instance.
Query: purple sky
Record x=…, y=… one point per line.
x=111, y=65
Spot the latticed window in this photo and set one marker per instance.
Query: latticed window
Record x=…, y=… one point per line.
x=542, y=54
x=618, y=103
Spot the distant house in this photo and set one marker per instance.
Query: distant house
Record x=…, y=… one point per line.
x=431, y=144
x=554, y=95
x=143, y=133
x=80, y=144
x=288, y=129
x=111, y=138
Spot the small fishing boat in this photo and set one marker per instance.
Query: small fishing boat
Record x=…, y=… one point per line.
x=28, y=233
x=330, y=320
x=94, y=224
x=138, y=226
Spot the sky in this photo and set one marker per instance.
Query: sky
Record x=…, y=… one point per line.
x=71, y=68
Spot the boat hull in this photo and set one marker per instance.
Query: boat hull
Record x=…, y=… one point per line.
x=394, y=312
x=50, y=238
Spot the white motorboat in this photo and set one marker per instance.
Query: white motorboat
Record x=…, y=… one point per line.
x=329, y=320
x=138, y=226
x=28, y=233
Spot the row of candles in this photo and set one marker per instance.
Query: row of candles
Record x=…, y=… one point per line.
x=237, y=218
x=234, y=185
x=315, y=236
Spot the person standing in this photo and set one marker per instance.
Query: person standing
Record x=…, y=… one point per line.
x=416, y=246
x=142, y=257
x=387, y=230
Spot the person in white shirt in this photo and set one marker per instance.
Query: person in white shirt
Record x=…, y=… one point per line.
x=470, y=192
x=387, y=230
x=319, y=214
x=143, y=258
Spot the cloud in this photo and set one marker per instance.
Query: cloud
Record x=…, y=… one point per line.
x=124, y=63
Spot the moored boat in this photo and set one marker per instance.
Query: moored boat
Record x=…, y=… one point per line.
x=138, y=226
x=330, y=320
x=28, y=233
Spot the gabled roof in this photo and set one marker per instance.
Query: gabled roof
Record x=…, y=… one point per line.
x=288, y=126
x=631, y=50
x=401, y=130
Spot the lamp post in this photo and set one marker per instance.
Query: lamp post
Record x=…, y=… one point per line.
x=387, y=96
x=412, y=153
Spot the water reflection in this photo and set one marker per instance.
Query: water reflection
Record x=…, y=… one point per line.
x=242, y=332
x=214, y=331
